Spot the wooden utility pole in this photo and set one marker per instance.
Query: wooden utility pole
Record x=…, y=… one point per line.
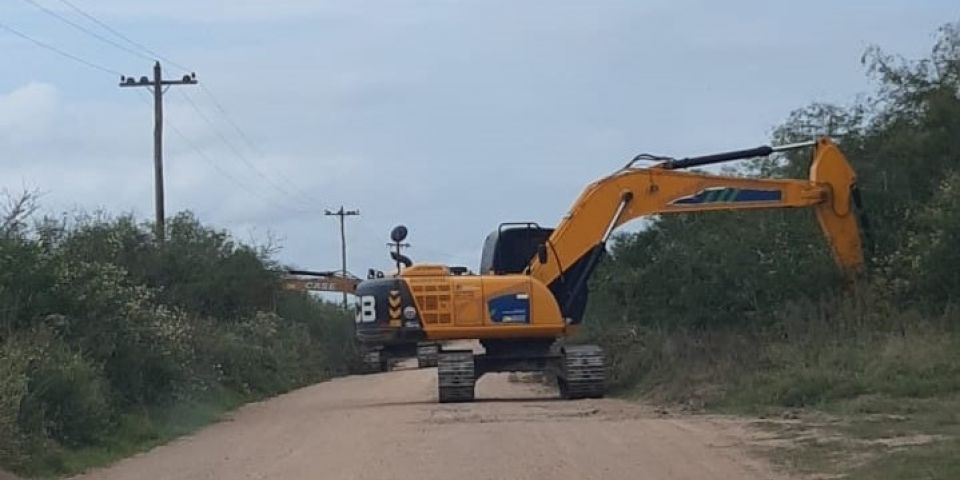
x=343, y=241
x=157, y=87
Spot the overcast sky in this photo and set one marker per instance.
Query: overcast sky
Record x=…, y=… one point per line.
x=447, y=116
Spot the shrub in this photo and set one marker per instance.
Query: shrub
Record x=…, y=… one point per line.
x=104, y=335
x=752, y=303
x=13, y=388
x=67, y=396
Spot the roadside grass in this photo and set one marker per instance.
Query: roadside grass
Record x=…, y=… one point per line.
x=938, y=461
x=869, y=437
x=861, y=406
x=135, y=433
x=877, y=407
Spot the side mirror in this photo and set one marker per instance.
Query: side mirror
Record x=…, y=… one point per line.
x=542, y=253
x=398, y=234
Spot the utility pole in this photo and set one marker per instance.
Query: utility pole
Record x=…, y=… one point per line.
x=157, y=87
x=343, y=241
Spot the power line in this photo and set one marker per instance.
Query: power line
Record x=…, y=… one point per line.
x=206, y=158
x=166, y=122
x=58, y=51
x=233, y=148
x=223, y=111
x=123, y=37
x=86, y=30
x=153, y=54
x=111, y=71
x=250, y=144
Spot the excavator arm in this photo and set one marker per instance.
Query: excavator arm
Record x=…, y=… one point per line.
x=311, y=281
x=574, y=247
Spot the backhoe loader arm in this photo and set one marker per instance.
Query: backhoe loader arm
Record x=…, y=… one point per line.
x=577, y=243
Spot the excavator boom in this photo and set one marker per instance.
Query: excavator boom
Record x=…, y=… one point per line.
x=665, y=189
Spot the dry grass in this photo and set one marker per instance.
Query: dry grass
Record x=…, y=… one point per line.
x=868, y=403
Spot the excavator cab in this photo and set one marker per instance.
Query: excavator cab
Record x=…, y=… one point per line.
x=509, y=248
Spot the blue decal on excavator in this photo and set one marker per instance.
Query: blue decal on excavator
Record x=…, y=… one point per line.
x=729, y=195
x=512, y=308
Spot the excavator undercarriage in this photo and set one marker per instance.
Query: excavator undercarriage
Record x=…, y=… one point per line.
x=381, y=357
x=580, y=370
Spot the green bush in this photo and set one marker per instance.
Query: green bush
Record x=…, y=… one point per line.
x=105, y=336
x=67, y=397
x=747, y=308
x=13, y=388
x=259, y=355
x=200, y=270
x=330, y=329
x=142, y=345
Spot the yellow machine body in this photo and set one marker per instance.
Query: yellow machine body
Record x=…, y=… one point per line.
x=456, y=307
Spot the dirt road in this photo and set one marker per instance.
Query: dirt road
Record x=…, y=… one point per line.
x=388, y=426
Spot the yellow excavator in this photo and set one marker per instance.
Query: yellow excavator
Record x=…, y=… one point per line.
x=532, y=288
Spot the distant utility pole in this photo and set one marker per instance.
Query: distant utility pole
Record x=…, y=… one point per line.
x=343, y=241
x=157, y=87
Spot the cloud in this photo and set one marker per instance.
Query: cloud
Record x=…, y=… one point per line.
x=448, y=116
x=27, y=113
x=210, y=11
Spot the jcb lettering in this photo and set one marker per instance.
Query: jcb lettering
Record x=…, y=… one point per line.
x=368, y=309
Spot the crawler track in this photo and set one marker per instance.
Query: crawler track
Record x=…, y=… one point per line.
x=455, y=376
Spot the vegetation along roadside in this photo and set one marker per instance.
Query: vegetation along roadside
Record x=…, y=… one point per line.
x=743, y=312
